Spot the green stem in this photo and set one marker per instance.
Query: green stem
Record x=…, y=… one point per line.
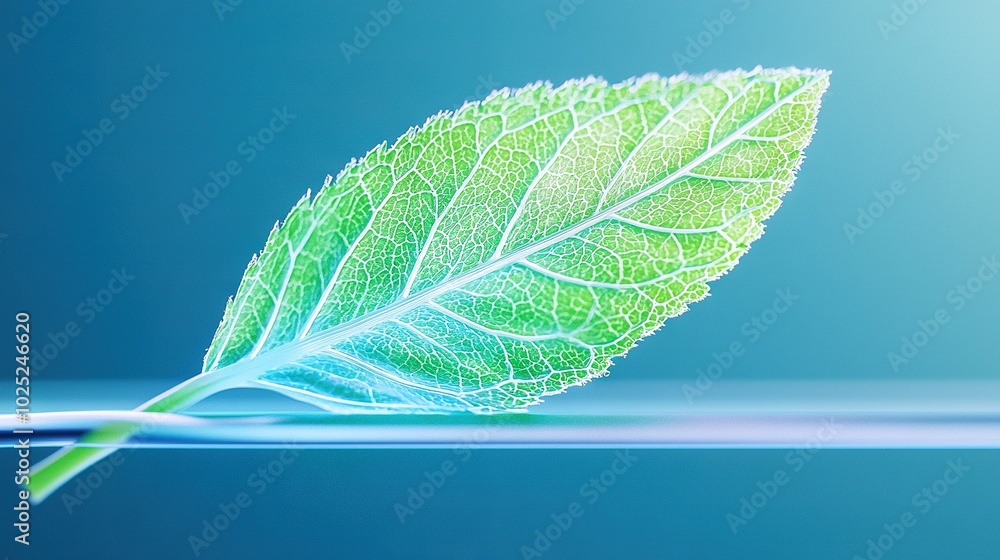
x=63, y=465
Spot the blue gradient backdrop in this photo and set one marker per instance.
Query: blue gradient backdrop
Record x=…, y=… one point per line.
x=892, y=90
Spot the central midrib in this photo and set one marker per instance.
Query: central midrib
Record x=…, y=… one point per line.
x=290, y=351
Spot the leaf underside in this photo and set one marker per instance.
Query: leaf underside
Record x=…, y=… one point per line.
x=511, y=249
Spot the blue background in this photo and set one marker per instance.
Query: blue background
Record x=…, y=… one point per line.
x=891, y=92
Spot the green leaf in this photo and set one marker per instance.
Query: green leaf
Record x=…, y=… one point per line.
x=506, y=251
x=512, y=249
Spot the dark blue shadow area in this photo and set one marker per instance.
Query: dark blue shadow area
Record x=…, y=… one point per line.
x=477, y=503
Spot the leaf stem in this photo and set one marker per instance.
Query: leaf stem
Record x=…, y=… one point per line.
x=63, y=465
